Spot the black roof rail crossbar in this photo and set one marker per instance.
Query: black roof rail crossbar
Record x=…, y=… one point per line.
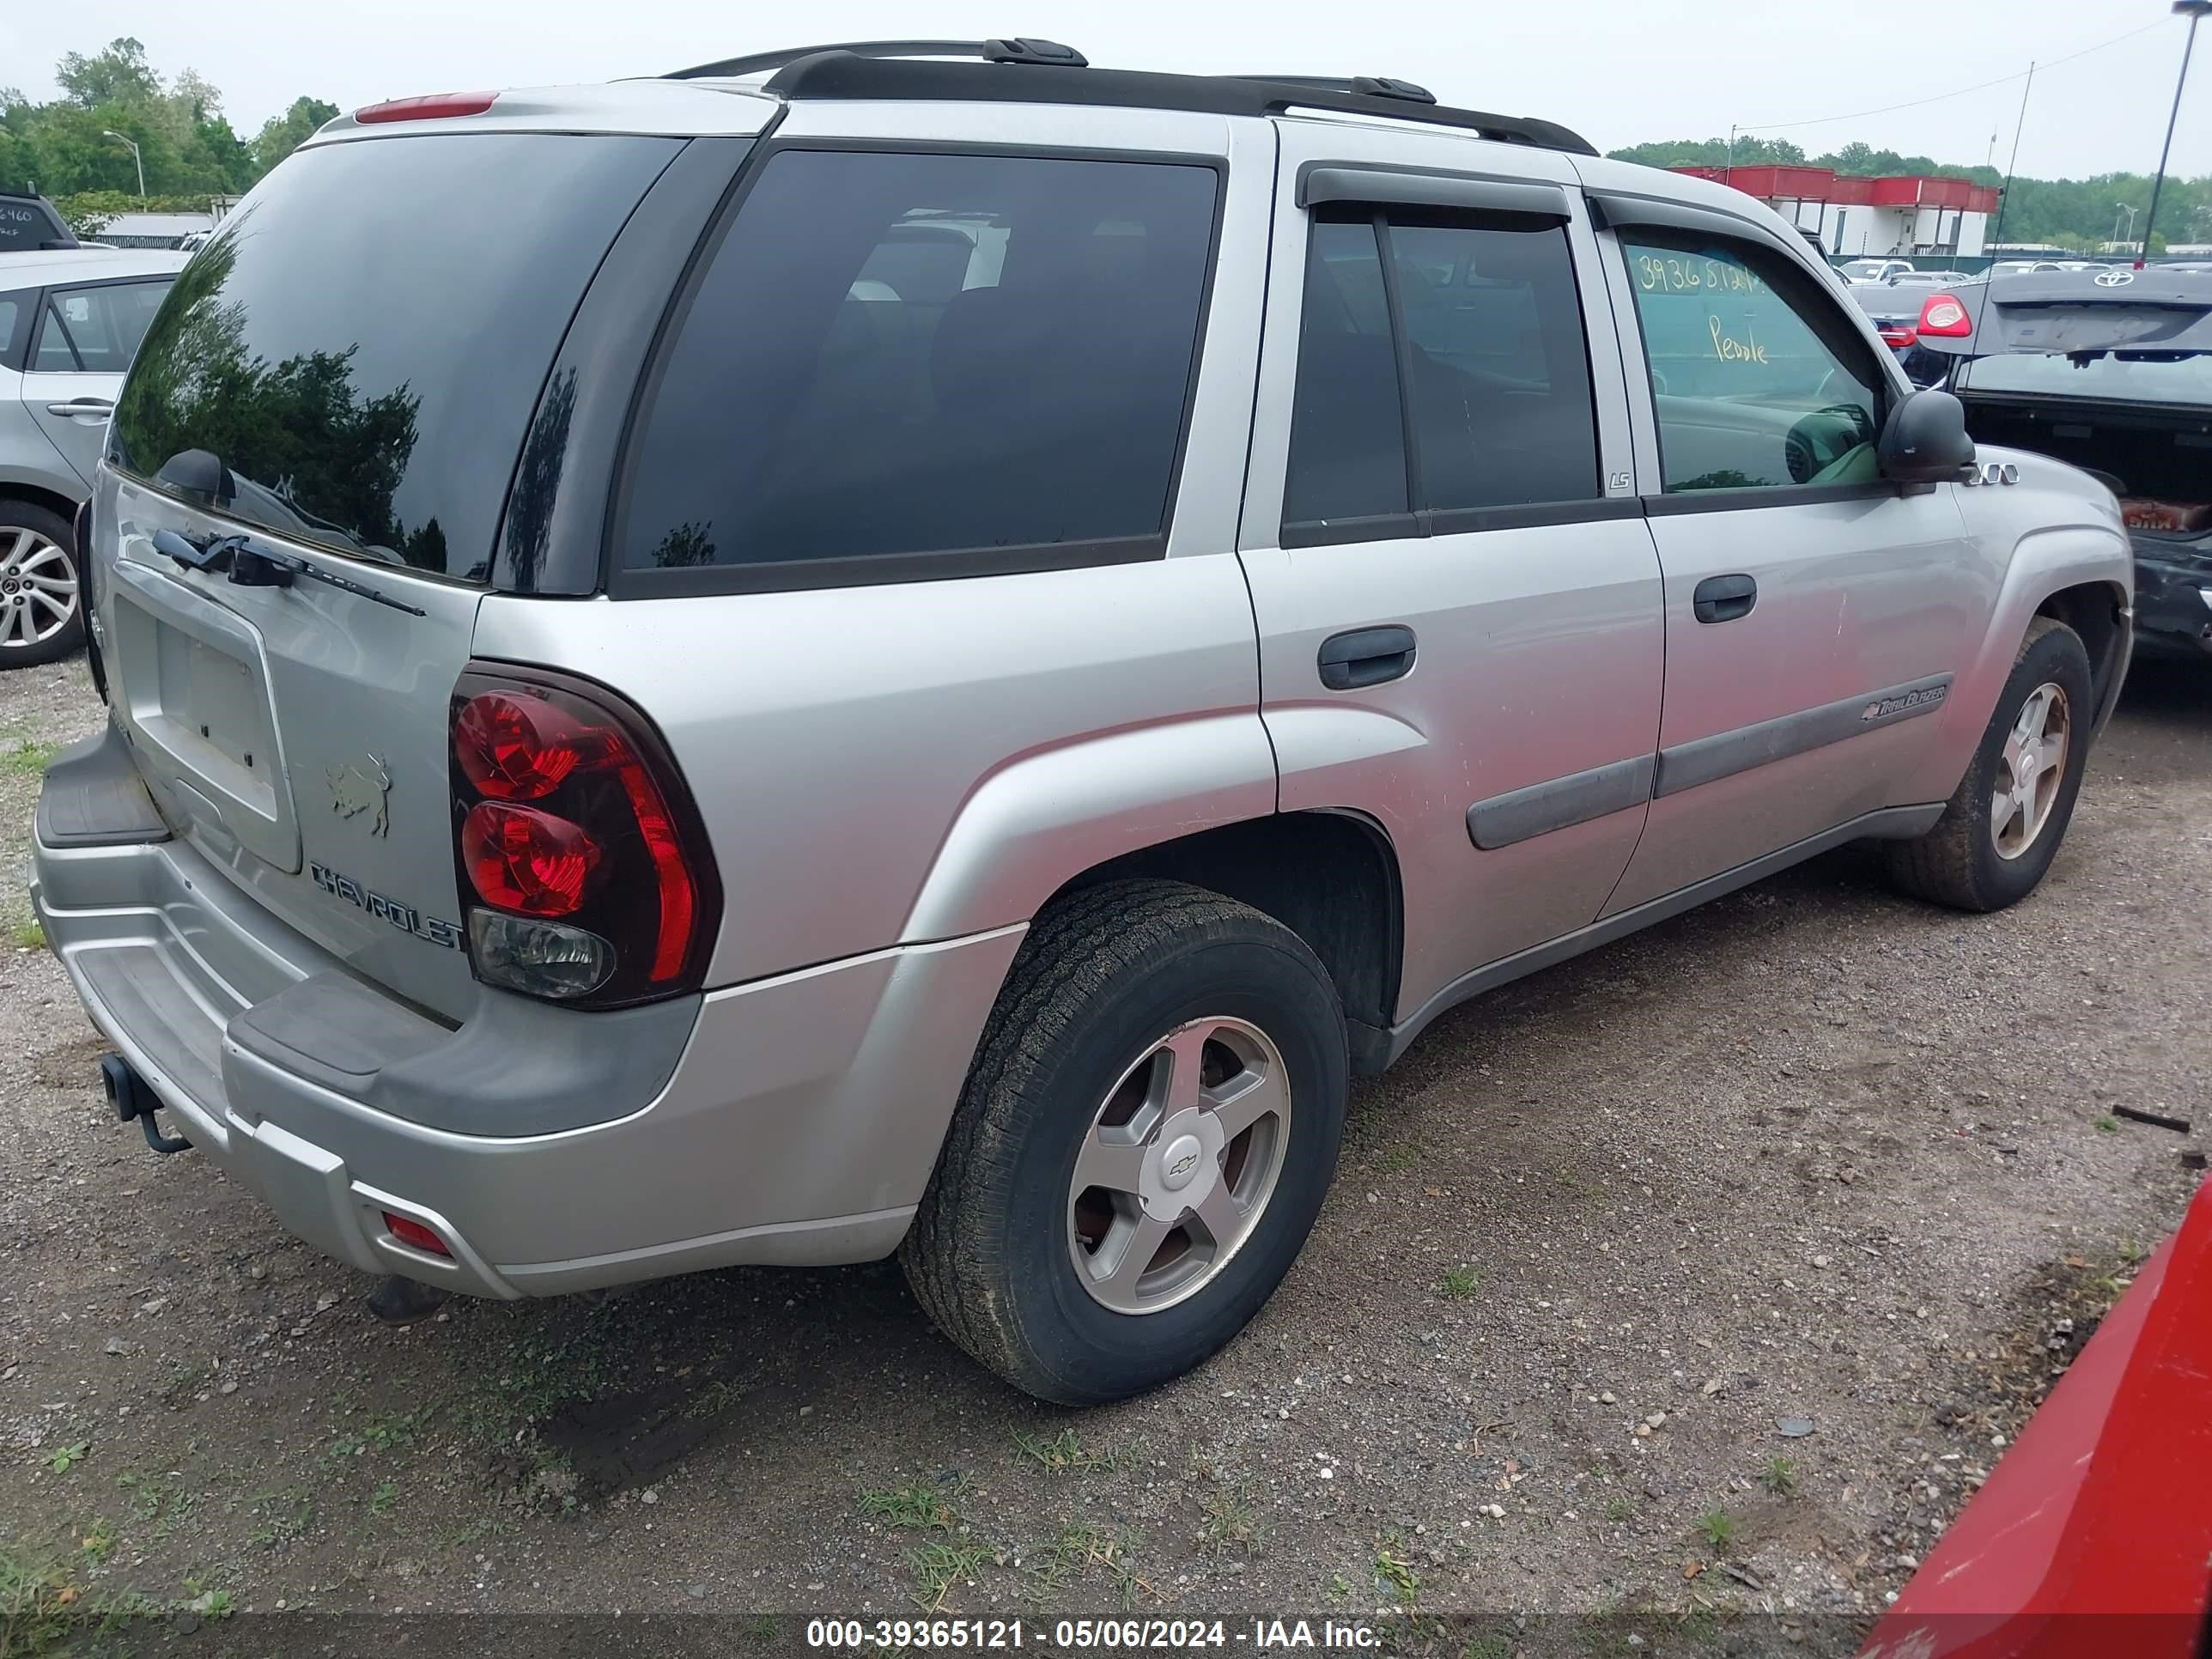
x=1018, y=50
x=835, y=74
x=1371, y=85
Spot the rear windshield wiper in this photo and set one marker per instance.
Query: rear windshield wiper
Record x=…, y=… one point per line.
x=257, y=566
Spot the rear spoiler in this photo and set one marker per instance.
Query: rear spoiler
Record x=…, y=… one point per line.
x=2075, y=313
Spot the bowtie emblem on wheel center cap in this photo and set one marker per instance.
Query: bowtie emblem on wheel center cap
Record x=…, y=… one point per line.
x=1179, y=1163
x=1182, y=1164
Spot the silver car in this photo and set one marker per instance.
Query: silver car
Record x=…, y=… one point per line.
x=70, y=321
x=863, y=652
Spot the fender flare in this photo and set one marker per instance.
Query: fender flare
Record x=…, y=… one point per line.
x=2044, y=561
x=1045, y=817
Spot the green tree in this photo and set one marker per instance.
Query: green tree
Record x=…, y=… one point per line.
x=185, y=143
x=1751, y=151
x=281, y=135
x=119, y=74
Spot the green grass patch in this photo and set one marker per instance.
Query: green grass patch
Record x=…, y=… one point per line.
x=938, y=1568
x=1065, y=1452
x=921, y=1504
x=1393, y=1574
x=28, y=758
x=44, y=1610
x=1228, y=1520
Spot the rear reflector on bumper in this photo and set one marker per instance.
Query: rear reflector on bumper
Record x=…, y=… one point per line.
x=415, y=1235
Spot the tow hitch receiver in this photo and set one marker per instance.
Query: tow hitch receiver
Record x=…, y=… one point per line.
x=127, y=1092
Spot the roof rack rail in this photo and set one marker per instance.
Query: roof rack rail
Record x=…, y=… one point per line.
x=1018, y=50
x=1370, y=86
x=836, y=73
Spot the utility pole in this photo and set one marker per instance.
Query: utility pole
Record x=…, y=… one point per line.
x=2004, y=199
x=2194, y=11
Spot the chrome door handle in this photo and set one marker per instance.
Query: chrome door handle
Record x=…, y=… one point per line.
x=90, y=407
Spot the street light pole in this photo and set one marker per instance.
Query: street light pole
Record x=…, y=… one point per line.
x=140, y=161
x=2196, y=11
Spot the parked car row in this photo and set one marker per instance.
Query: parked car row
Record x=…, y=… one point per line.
x=70, y=321
x=2110, y=369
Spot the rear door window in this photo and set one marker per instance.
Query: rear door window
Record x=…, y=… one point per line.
x=362, y=344
x=1501, y=382
x=1347, y=422
x=909, y=364
x=1486, y=374
x=95, y=331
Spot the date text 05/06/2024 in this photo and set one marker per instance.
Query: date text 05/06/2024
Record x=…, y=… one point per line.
x=1093, y=1635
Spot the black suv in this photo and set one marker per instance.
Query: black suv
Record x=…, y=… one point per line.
x=28, y=223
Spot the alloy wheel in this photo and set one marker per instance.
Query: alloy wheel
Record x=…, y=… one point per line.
x=38, y=588
x=2031, y=770
x=1178, y=1164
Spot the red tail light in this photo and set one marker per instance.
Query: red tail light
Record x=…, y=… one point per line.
x=1900, y=337
x=1944, y=315
x=430, y=108
x=600, y=892
x=527, y=861
x=514, y=747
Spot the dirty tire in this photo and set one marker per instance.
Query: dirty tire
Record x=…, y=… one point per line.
x=1956, y=863
x=1103, y=974
x=52, y=527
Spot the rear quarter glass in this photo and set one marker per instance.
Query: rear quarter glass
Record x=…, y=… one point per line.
x=363, y=344
x=894, y=356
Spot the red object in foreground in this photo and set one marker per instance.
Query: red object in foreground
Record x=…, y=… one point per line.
x=2093, y=1538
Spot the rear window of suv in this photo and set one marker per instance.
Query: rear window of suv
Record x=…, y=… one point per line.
x=361, y=345
x=27, y=223
x=900, y=366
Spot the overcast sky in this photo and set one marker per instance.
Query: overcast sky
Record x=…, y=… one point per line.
x=1618, y=70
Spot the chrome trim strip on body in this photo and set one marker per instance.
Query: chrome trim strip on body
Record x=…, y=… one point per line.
x=1540, y=808
x=1557, y=803
x=1703, y=760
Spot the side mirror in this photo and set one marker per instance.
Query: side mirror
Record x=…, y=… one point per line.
x=1925, y=440
x=197, y=473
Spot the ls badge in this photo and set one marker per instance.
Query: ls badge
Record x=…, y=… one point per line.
x=360, y=787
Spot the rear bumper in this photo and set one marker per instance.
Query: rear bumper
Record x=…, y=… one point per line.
x=795, y=1121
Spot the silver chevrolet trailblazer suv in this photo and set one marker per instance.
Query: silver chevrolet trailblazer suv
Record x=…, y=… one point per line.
x=923, y=649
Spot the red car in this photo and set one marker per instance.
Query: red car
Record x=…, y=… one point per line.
x=2092, y=1539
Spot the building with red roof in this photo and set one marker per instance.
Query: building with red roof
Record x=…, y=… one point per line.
x=1855, y=217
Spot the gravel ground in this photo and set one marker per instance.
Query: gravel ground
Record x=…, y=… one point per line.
x=1813, y=1159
